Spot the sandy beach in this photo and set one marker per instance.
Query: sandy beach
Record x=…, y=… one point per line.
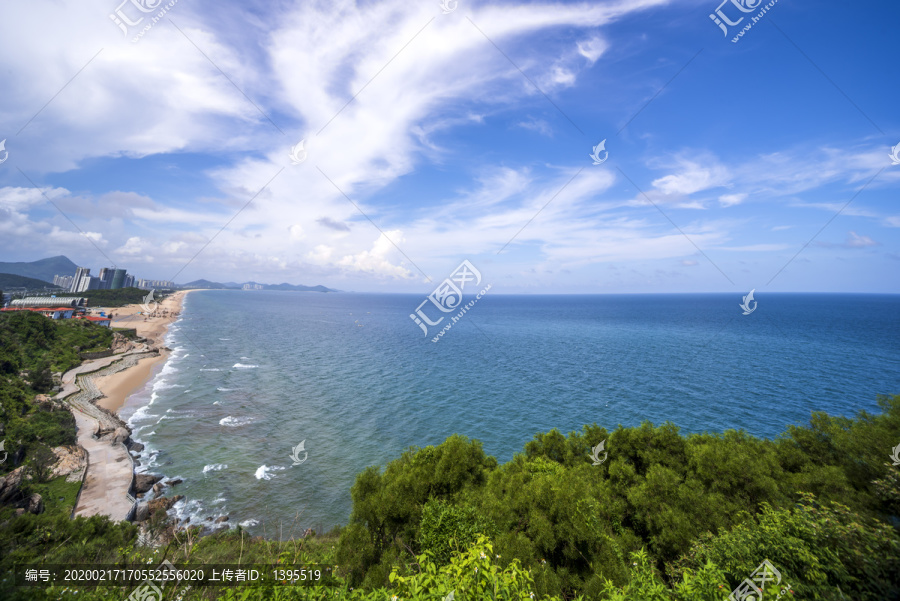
x=154, y=326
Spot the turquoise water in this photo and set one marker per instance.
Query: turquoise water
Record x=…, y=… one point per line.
x=255, y=373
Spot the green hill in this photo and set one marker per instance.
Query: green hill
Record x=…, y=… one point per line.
x=43, y=269
x=10, y=280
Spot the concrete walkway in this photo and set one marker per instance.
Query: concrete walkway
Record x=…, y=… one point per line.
x=109, y=474
x=110, y=471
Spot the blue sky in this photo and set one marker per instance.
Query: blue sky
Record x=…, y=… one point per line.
x=725, y=159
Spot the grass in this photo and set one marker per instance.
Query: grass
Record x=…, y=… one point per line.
x=58, y=495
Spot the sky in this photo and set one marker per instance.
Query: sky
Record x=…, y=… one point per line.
x=374, y=146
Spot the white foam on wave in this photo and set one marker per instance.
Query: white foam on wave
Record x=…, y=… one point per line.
x=215, y=402
x=164, y=385
x=168, y=368
x=245, y=358
x=264, y=472
x=210, y=369
x=220, y=389
x=242, y=366
x=224, y=338
x=248, y=523
x=235, y=421
x=214, y=467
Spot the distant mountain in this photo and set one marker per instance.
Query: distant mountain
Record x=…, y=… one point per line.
x=43, y=269
x=207, y=285
x=297, y=287
x=9, y=280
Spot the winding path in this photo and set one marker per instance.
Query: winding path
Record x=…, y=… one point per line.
x=110, y=471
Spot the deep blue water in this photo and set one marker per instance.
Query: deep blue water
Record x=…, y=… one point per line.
x=256, y=373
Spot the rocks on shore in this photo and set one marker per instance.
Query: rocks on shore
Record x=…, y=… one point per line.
x=121, y=435
x=221, y=519
x=145, y=482
x=163, y=503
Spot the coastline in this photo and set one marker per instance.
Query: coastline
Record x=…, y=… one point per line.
x=95, y=391
x=119, y=386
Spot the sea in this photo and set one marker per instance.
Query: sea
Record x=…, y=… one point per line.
x=273, y=401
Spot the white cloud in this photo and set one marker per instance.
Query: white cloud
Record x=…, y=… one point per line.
x=592, y=48
x=375, y=261
x=729, y=200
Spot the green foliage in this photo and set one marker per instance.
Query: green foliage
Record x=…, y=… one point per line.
x=448, y=528
x=472, y=575
x=387, y=508
x=30, y=341
x=646, y=584
x=819, y=550
x=577, y=525
x=31, y=346
x=115, y=298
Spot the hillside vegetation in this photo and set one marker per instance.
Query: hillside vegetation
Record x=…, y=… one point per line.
x=665, y=517
x=116, y=298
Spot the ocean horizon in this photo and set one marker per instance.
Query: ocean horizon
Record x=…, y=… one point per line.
x=255, y=373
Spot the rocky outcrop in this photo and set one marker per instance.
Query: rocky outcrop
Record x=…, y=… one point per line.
x=221, y=519
x=121, y=435
x=145, y=482
x=121, y=344
x=71, y=460
x=34, y=504
x=9, y=485
x=163, y=503
x=142, y=512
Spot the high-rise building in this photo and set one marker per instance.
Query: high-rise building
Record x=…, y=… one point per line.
x=63, y=281
x=80, y=274
x=89, y=282
x=129, y=281
x=106, y=274
x=118, y=279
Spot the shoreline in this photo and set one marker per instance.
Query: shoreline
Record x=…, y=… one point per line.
x=109, y=477
x=117, y=387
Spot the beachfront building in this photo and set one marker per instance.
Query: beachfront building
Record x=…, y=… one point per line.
x=51, y=312
x=49, y=301
x=100, y=321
